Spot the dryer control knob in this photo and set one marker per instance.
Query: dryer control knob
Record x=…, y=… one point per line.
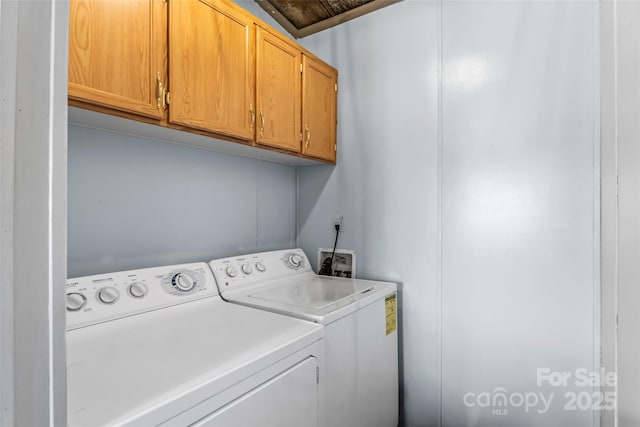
x=138, y=289
x=231, y=271
x=108, y=295
x=75, y=301
x=246, y=268
x=260, y=267
x=295, y=260
x=184, y=281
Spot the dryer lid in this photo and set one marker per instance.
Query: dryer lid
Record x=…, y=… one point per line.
x=147, y=368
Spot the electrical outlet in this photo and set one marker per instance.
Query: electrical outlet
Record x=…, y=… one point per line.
x=338, y=220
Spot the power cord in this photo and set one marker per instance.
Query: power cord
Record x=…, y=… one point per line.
x=327, y=264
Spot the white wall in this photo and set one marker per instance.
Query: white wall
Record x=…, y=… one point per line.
x=476, y=190
x=609, y=198
x=33, y=115
x=621, y=99
x=520, y=204
x=386, y=184
x=137, y=202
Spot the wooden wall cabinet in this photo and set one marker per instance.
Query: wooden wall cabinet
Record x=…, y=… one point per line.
x=296, y=98
x=278, y=96
x=204, y=66
x=319, y=109
x=211, y=63
x=117, y=54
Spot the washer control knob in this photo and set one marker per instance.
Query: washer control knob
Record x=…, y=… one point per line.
x=184, y=281
x=246, y=268
x=260, y=267
x=295, y=260
x=138, y=289
x=75, y=301
x=231, y=271
x=108, y=295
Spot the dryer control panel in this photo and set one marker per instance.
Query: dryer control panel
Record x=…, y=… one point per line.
x=103, y=297
x=246, y=270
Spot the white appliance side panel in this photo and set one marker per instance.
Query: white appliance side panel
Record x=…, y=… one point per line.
x=288, y=400
x=359, y=385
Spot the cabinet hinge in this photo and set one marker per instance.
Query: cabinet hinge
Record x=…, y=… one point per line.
x=300, y=136
x=336, y=87
x=335, y=147
x=301, y=68
x=317, y=375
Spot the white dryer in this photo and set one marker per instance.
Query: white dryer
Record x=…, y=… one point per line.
x=359, y=385
x=159, y=347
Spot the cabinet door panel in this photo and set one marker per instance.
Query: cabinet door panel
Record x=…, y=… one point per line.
x=211, y=62
x=319, y=86
x=278, y=95
x=117, y=49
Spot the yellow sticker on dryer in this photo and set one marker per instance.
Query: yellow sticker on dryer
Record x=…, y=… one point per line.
x=391, y=312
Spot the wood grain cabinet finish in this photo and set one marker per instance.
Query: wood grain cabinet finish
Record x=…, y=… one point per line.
x=203, y=66
x=319, y=109
x=278, y=91
x=117, y=53
x=211, y=63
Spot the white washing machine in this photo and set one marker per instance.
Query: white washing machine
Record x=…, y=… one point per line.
x=359, y=385
x=159, y=346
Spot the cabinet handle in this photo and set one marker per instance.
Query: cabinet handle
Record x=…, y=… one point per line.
x=306, y=129
x=162, y=95
x=159, y=92
x=262, y=122
x=253, y=116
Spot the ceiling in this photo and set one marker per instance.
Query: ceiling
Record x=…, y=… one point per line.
x=304, y=17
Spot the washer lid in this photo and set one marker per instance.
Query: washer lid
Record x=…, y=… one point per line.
x=147, y=368
x=314, y=293
x=322, y=299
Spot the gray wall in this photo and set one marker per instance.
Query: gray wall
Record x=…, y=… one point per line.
x=475, y=190
x=136, y=202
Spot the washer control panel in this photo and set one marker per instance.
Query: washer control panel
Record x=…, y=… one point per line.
x=293, y=261
x=245, y=270
x=103, y=297
x=183, y=281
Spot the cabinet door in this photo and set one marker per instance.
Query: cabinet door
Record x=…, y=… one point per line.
x=117, y=52
x=278, y=95
x=319, y=90
x=211, y=58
